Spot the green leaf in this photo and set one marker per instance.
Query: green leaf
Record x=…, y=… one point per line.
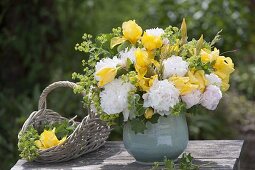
x=129, y=65
x=138, y=126
x=169, y=164
x=116, y=41
x=186, y=162
x=199, y=46
x=26, y=144
x=123, y=46
x=121, y=71
x=154, y=118
x=216, y=38
x=179, y=108
x=184, y=31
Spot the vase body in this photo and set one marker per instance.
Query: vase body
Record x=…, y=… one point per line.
x=166, y=138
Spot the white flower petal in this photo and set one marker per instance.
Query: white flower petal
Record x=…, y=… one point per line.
x=213, y=79
x=114, y=97
x=192, y=98
x=211, y=97
x=127, y=53
x=155, y=31
x=174, y=66
x=162, y=96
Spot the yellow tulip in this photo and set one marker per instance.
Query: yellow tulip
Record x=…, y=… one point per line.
x=142, y=62
x=148, y=113
x=197, y=77
x=183, y=84
x=223, y=68
x=131, y=31
x=106, y=75
x=145, y=83
x=151, y=42
x=48, y=139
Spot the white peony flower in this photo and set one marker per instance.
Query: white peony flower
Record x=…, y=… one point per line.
x=155, y=31
x=213, y=79
x=114, y=97
x=162, y=96
x=192, y=98
x=174, y=66
x=107, y=63
x=127, y=53
x=211, y=97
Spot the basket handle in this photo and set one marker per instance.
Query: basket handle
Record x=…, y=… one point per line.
x=42, y=100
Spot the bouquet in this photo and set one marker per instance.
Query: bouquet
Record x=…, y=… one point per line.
x=139, y=75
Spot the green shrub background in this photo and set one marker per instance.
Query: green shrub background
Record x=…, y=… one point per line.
x=37, y=40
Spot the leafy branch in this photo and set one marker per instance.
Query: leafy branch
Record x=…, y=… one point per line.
x=185, y=163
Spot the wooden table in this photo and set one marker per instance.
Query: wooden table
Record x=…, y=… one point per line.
x=210, y=154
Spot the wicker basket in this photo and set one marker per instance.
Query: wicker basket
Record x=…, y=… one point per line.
x=90, y=134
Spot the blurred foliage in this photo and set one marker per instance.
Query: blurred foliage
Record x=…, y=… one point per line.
x=37, y=40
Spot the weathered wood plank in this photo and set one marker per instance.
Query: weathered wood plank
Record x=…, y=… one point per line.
x=208, y=154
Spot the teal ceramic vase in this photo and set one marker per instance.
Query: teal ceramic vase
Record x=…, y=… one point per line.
x=167, y=138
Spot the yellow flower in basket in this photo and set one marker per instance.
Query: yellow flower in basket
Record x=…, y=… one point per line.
x=106, y=75
x=131, y=31
x=48, y=139
x=151, y=42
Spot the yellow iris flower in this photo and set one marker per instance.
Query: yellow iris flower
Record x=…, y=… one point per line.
x=131, y=31
x=145, y=83
x=142, y=62
x=197, y=77
x=48, y=139
x=209, y=56
x=151, y=42
x=183, y=84
x=223, y=65
x=106, y=75
x=223, y=68
x=148, y=113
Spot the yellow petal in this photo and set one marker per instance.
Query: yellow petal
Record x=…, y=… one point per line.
x=183, y=84
x=148, y=113
x=142, y=62
x=49, y=139
x=131, y=31
x=106, y=75
x=209, y=56
x=145, y=83
x=62, y=140
x=116, y=41
x=151, y=42
x=197, y=77
x=223, y=68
